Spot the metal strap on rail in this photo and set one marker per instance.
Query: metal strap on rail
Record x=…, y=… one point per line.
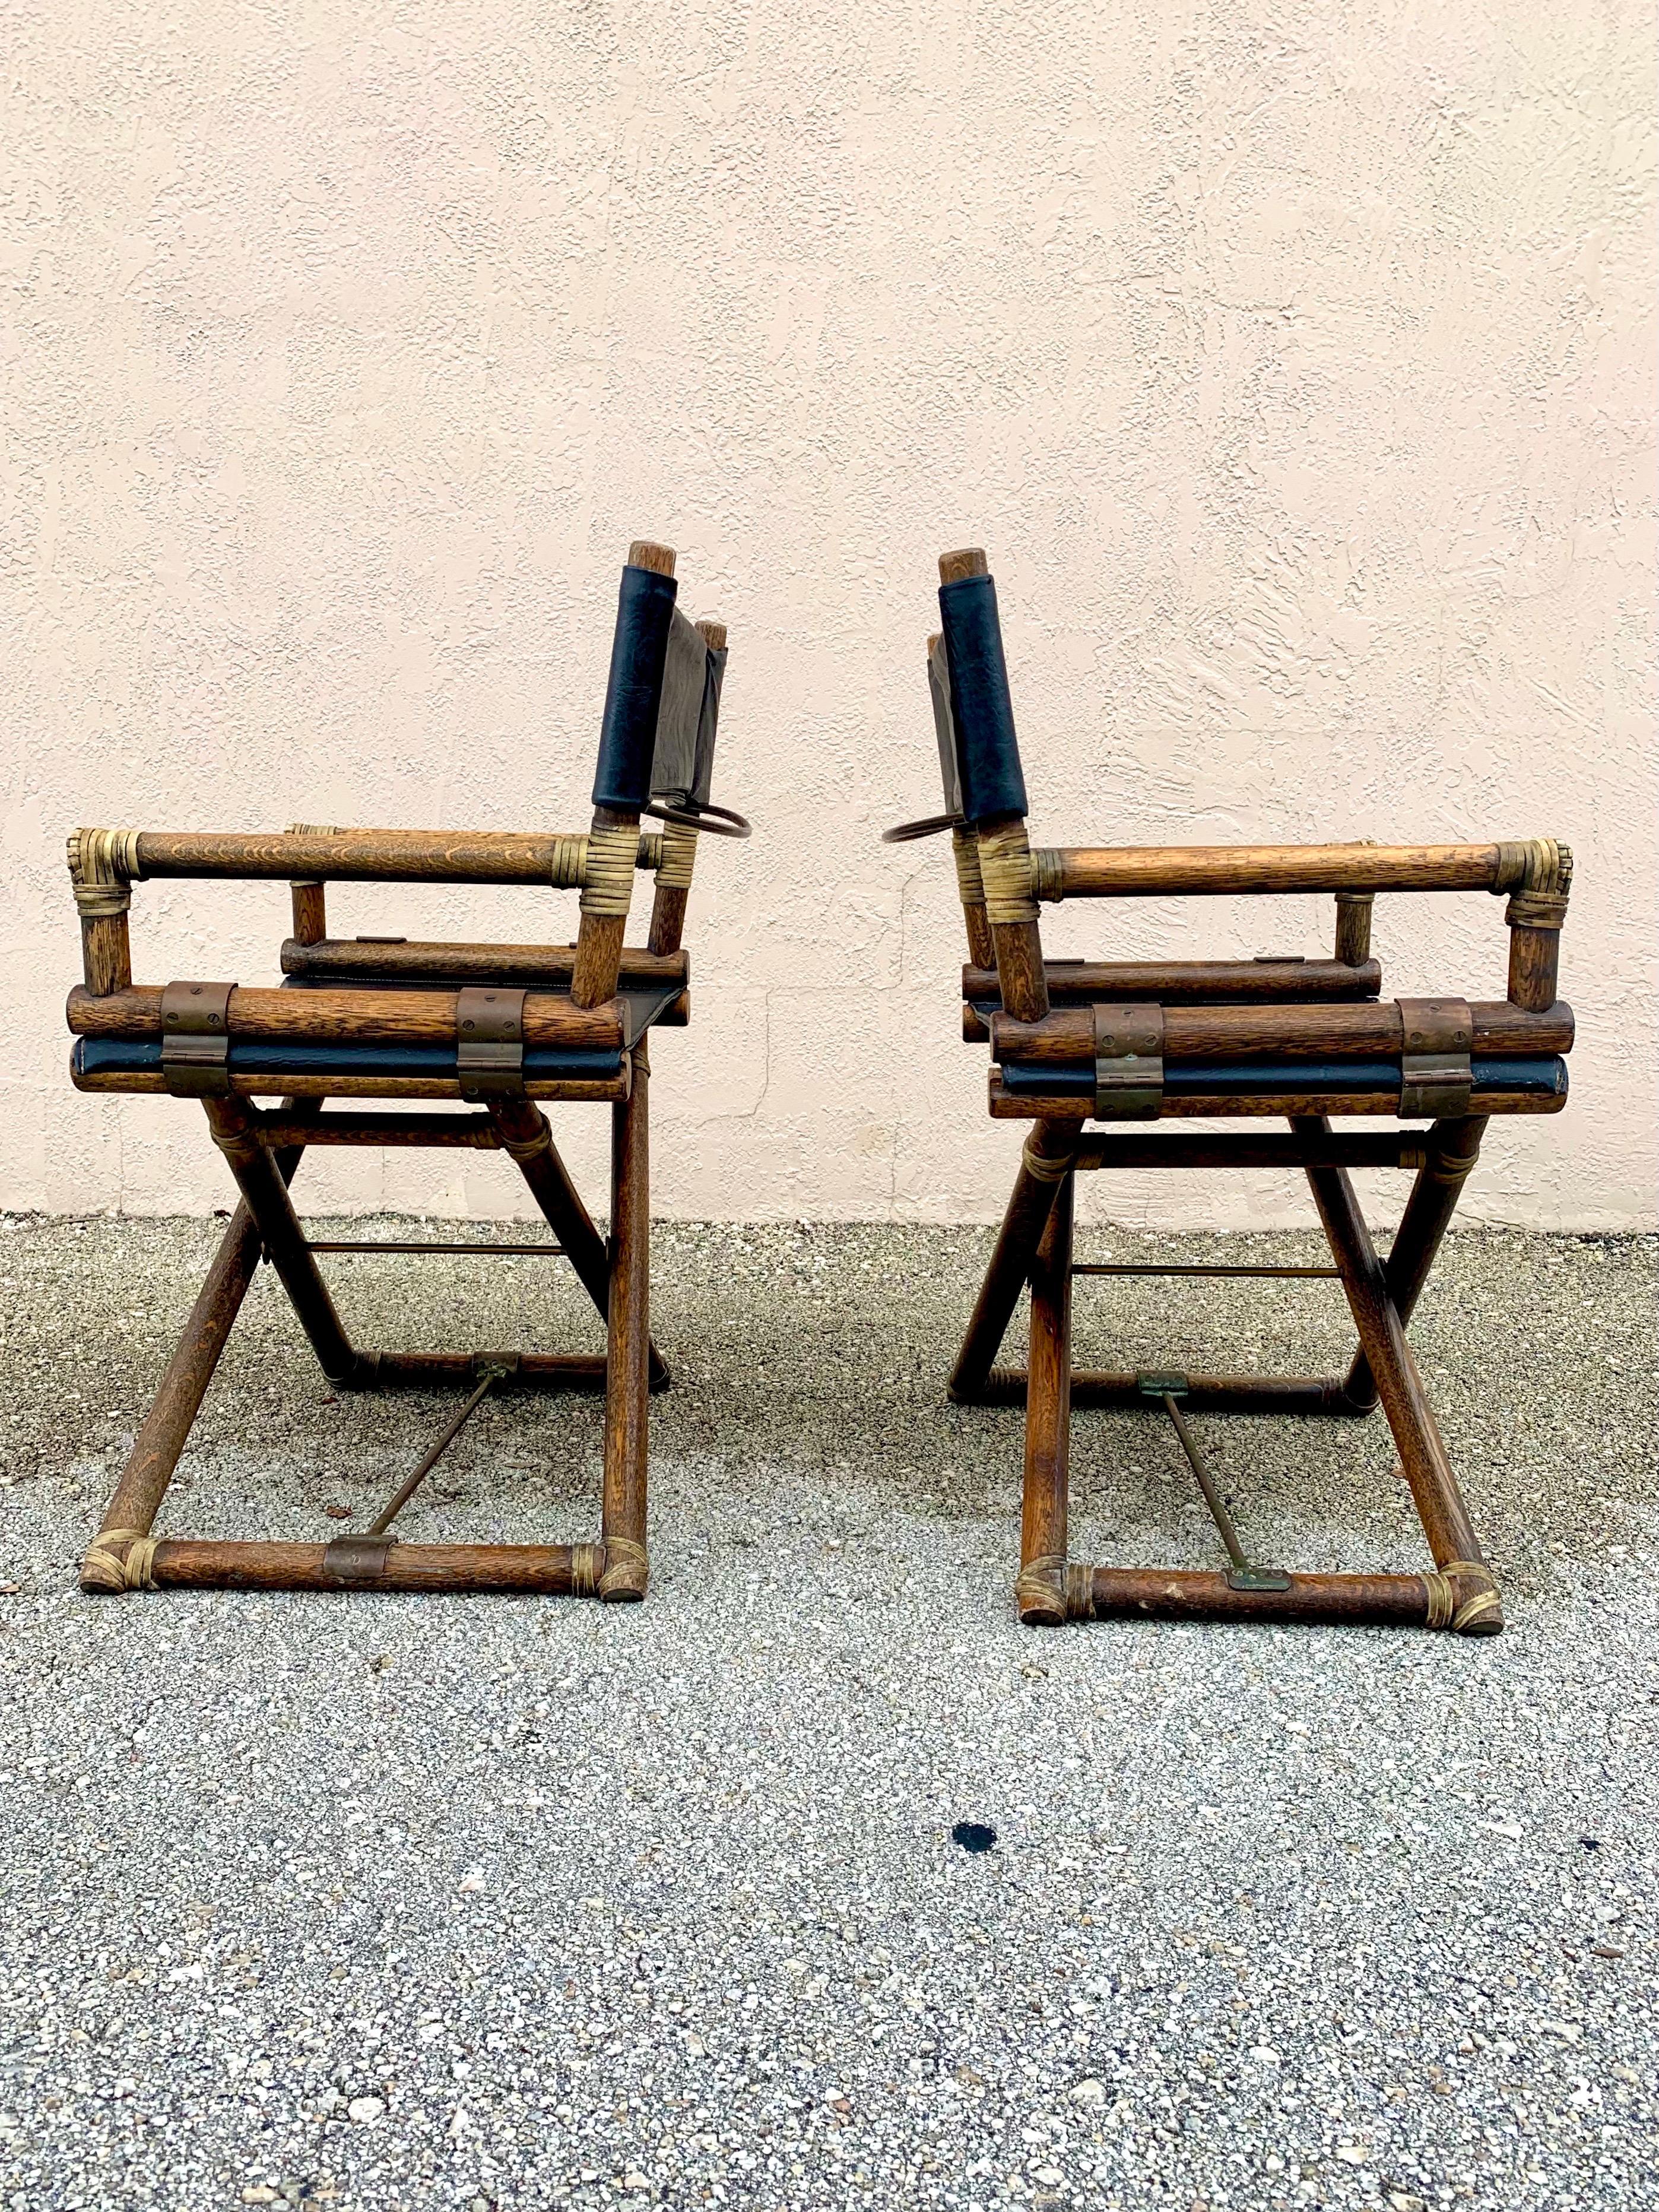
x=1129, y=1063
x=1435, y=1073
x=489, y=1042
x=195, y=1039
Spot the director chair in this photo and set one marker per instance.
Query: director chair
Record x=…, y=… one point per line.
x=505, y=1028
x=1308, y=1041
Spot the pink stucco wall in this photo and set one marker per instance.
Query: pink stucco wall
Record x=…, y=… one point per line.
x=1293, y=362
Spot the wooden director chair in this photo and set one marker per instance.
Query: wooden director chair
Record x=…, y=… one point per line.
x=507, y=1027
x=1302, y=1040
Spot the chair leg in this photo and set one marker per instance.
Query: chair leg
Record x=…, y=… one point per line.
x=120, y=1555
x=1468, y=1586
x=1044, y=1163
x=627, y=1564
x=1453, y=1148
x=265, y=1195
x=1040, y=1589
x=527, y=1137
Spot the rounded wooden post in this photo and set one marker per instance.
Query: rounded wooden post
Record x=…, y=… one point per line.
x=1453, y=1148
x=1472, y=1606
x=1353, y=926
x=1039, y=1591
x=627, y=1562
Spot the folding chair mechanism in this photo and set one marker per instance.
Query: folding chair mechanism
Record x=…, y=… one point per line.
x=1301, y=1041
x=502, y=1027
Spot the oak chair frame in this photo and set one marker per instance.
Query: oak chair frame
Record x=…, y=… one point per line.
x=1303, y=1040
x=495, y=1008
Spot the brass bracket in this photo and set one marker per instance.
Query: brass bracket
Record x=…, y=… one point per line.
x=489, y=1042
x=1129, y=1063
x=357, y=1559
x=195, y=1039
x=1435, y=1074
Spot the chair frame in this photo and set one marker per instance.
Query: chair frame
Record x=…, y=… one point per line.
x=1075, y=1042
x=490, y=1003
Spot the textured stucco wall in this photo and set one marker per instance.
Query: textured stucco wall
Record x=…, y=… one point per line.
x=1293, y=362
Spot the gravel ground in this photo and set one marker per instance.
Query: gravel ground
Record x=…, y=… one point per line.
x=385, y=1902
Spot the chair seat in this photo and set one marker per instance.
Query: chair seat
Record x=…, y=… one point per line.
x=102, y=1063
x=1505, y=1085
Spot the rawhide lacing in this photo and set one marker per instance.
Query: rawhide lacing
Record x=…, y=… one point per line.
x=1040, y=1586
x=1042, y=1167
x=1005, y=866
x=607, y=878
x=627, y=1567
x=970, y=884
x=104, y=1567
x=1537, y=872
x=678, y=844
x=102, y=863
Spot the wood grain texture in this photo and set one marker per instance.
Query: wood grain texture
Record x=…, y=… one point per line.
x=1224, y=871
x=349, y=1016
x=1535, y=964
x=1045, y=1486
x=522, y=966
x=530, y=1570
x=1023, y=1222
x=1191, y=982
x=387, y=856
x=628, y=1376
x=1180, y=1594
x=1257, y=1106
x=1200, y=1033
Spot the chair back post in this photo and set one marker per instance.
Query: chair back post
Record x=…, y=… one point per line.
x=1353, y=926
x=993, y=804
x=622, y=783
x=679, y=850
x=1538, y=876
x=102, y=863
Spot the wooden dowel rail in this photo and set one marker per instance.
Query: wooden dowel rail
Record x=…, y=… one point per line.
x=1232, y=871
x=1370, y=1031
x=459, y=1132
x=523, y=966
x=390, y=1017
x=542, y=1251
x=528, y=1570
x=1183, y=1149
x=1171, y=982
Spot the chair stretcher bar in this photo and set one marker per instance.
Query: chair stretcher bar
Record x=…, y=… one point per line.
x=1176, y=982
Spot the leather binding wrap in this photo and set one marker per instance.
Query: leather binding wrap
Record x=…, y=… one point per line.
x=682, y=757
x=1129, y=1063
x=632, y=699
x=1435, y=1075
x=195, y=1039
x=489, y=1042
x=945, y=729
x=987, y=751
